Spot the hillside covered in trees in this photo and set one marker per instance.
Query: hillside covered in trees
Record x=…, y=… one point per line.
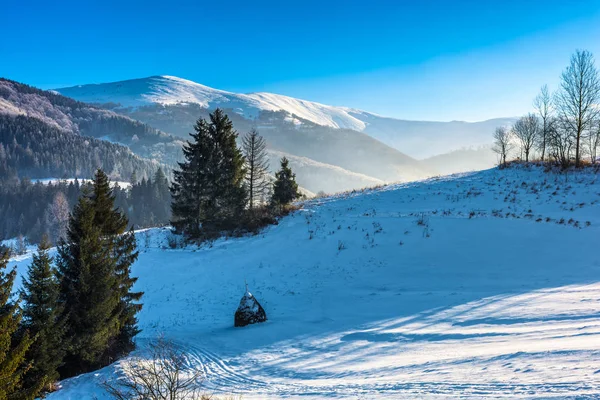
x=74, y=117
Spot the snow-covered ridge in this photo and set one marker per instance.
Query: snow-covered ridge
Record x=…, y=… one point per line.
x=169, y=90
x=418, y=139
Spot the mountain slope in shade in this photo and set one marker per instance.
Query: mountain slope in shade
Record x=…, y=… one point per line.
x=418, y=139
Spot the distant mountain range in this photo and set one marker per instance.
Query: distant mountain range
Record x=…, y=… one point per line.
x=330, y=148
x=418, y=139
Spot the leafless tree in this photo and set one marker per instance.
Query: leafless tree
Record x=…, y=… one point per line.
x=560, y=142
x=502, y=143
x=594, y=141
x=163, y=375
x=545, y=108
x=578, y=98
x=57, y=217
x=526, y=131
x=254, y=147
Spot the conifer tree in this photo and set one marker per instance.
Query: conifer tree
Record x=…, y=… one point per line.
x=285, y=188
x=161, y=196
x=90, y=291
x=43, y=320
x=257, y=166
x=122, y=246
x=13, y=348
x=208, y=193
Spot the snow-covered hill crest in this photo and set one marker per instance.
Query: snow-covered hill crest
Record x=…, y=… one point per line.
x=170, y=90
x=419, y=139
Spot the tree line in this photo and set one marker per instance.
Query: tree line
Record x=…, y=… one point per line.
x=30, y=210
x=222, y=189
x=565, y=128
x=77, y=312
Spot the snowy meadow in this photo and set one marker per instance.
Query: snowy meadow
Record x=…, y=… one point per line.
x=482, y=285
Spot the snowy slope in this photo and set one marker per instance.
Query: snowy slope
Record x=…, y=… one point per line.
x=418, y=139
x=483, y=285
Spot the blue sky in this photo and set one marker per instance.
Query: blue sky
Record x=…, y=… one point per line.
x=426, y=60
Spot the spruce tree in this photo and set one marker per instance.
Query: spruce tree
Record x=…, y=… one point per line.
x=285, y=188
x=161, y=196
x=43, y=320
x=13, y=347
x=208, y=193
x=123, y=249
x=257, y=166
x=90, y=291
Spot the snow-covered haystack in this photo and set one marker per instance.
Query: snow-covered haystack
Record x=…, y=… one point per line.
x=249, y=311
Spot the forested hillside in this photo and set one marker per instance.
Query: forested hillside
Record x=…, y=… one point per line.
x=30, y=147
x=75, y=117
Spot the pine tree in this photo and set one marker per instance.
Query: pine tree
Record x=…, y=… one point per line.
x=90, y=291
x=257, y=166
x=13, y=347
x=208, y=193
x=43, y=319
x=162, y=196
x=122, y=245
x=285, y=188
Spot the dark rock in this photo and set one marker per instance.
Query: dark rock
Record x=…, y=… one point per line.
x=249, y=312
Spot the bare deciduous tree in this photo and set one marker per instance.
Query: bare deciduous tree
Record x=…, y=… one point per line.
x=254, y=147
x=545, y=107
x=502, y=143
x=594, y=141
x=163, y=375
x=526, y=131
x=578, y=98
x=560, y=142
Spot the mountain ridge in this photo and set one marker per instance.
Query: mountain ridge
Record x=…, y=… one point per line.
x=406, y=136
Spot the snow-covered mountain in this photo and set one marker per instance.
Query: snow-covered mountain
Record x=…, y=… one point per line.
x=171, y=90
x=419, y=139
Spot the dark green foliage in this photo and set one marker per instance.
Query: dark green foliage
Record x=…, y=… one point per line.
x=32, y=148
x=43, y=320
x=285, y=189
x=12, y=346
x=94, y=267
x=208, y=193
x=122, y=245
x=88, y=290
x=25, y=207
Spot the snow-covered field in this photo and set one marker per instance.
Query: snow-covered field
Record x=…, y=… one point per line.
x=484, y=285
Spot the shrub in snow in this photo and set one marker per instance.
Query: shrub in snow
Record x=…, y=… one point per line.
x=249, y=311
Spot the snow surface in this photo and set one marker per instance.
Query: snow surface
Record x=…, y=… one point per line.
x=467, y=286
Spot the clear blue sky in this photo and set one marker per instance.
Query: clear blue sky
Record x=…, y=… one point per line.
x=434, y=60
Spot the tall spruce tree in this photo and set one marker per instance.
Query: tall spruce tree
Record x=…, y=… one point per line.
x=122, y=246
x=254, y=147
x=90, y=291
x=285, y=188
x=43, y=319
x=208, y=193
x=13, y=347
